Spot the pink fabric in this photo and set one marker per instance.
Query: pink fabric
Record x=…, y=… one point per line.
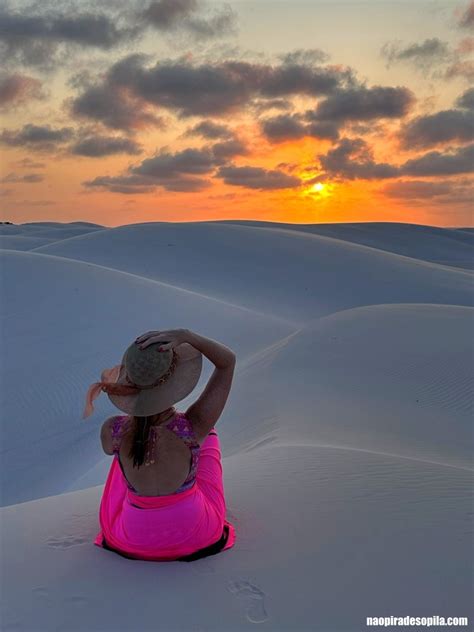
x=164, y=528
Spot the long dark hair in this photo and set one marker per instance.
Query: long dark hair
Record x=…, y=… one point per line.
x=140, y=436
x=140, y=430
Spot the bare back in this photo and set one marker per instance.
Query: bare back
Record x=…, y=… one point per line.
x=172, y=457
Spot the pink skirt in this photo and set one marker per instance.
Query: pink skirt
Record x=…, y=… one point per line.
x=166, y=528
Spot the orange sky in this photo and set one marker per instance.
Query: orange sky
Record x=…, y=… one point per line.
x=428, y=63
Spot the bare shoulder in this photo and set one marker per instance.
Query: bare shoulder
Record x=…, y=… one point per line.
x=106, y=435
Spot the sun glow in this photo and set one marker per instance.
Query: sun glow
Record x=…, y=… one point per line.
x=318, y=190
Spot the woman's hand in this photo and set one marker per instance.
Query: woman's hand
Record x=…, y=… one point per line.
x=169, y=338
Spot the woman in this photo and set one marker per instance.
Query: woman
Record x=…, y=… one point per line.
x=164, y=496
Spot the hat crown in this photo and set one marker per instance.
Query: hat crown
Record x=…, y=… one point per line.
x=144, y=366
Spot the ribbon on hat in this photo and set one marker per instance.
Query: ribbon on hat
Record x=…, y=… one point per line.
x=107, y=384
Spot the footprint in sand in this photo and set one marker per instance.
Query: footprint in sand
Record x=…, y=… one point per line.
x=254, y=597
x=65, y=542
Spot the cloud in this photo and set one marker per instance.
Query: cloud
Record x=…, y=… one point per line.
x=363, y=104
x=181, y=171
x=184, y=15
x=35, y=40
x=115, y=107
x=209, y=89
x=432, y=55
x=443, y=126
x=257, y=178
x=422, y=189
x=164, y=165
x=466, y=20
x=28, y=178
x=463, y=69
x=41, y=138
x=304, y=56
x=129, y=184
x=16, y=89
x=465, y=46
x=352, y=159
x=429, y=53
x=168, y=14
x=228, y=149
x=210, y=129
x=30, y=164
x=434, y=163
x=283, y=127
x=466, y=100
x=342, y=106
x=292, y=126
x=96, y=146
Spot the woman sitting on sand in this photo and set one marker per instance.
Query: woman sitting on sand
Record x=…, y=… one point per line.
x=164, y=496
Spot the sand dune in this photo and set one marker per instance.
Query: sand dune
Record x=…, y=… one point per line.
x=347, y=437
x=298, y=276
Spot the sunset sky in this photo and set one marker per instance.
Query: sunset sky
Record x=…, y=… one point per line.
x=133, y=111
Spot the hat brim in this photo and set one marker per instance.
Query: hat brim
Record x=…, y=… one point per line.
x=181, y=382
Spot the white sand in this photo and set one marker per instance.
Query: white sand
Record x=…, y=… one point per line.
x=347, y=437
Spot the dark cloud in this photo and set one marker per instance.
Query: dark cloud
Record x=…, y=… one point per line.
x=352, y=159
x=425, y=55
x=434, y=58
x=283, y=127
x=434, y=163
x=363, y=104
x=304, y=56
x=42, y=138
x=185, y=15
x=257, y=178
x=466, y=20
x=466, y=100
x=228, y=149
x=168, y=14
x=340, y=107
x=293, y=126
x=271, y=104
x=96, y=146
x=33, y=40
x=211, y=130
x=200, y=90
x=178, y=171
x=28, y=178
x=16, y=89
x=447, y=125
x=115, y=107
x=130, y=184
x=165, y=165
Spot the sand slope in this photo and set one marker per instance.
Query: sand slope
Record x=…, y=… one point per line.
x=347, y=437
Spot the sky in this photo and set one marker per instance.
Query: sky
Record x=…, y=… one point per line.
x=184, y=110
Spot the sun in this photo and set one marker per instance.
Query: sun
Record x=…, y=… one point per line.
x=318, y=190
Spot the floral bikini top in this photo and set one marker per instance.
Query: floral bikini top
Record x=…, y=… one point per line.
x=181, y=427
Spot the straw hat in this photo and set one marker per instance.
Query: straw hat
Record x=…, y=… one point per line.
x=148, y=381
